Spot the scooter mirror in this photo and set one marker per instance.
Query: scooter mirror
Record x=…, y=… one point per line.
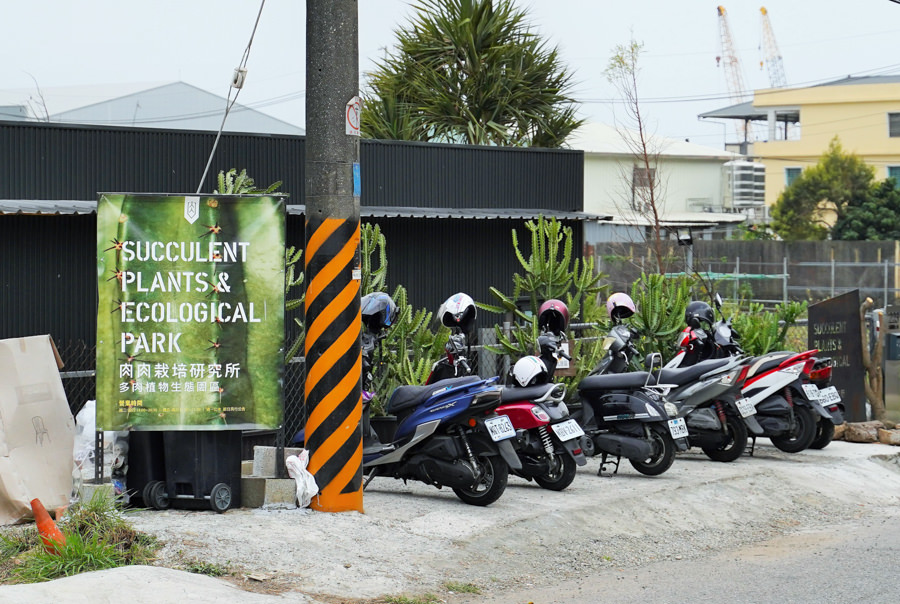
x=718, y=301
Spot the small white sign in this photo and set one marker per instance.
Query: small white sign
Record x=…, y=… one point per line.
x=191, y=209
x=561, y=361
x=352, y=116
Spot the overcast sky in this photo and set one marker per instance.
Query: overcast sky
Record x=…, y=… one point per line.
x=63, y=43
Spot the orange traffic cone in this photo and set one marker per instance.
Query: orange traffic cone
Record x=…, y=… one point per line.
x=50, y=534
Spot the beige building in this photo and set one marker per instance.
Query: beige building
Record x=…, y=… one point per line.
x=790, y=128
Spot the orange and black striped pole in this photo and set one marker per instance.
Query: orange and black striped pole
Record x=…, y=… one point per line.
x=333, y=393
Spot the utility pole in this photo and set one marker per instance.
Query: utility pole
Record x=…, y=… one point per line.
x=333, y=390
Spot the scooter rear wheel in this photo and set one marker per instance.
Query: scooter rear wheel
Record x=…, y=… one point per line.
x=824, y=434
x=562, y=477
x=801, y=436
x=736, y=441
x=492, y=484
x=662, y=458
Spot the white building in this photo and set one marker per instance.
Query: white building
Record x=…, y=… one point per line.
x=690, y=190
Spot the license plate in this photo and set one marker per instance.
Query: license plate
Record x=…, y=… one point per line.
x=678, y=428
x=500, y=428
x=567, y=430
x=745, y=407
x=811, y=391
x=829, y=396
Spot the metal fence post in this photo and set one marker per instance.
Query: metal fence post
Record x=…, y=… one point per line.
x=832, y=276
x=784, y=290
x=737, y=278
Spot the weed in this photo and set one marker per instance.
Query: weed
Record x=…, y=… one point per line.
x=461, y=588
x=97, y=537
x=209, y=569
x=425, y=599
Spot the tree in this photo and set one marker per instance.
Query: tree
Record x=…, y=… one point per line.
x=647, y=195
x=470, y=71
x=876, y=218
x=822, y=194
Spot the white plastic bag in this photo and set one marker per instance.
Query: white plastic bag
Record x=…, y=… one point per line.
x=306, y=482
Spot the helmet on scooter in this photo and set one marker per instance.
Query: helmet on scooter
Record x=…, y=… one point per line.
x=530, y=371
x=620, y=306
x=378, y=311
x=697, y=313
x=458, y=311
x=553, y=316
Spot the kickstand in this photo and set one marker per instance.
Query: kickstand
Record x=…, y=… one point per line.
x=604, y=462
x=752, y=444
x=369, y=478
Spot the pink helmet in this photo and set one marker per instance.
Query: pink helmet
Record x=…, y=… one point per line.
x=620, y=306
x=553, y=316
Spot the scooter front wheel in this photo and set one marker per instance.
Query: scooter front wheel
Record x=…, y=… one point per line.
x=662, y=457
x=490, y=487
x=562, y=476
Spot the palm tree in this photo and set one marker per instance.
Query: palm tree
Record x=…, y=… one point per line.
x=470, y=71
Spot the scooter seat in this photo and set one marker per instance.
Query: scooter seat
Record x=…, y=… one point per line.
x=406, y=397
x=771, y=360
x=613, y=381
x=685, y=375
x=511, y=394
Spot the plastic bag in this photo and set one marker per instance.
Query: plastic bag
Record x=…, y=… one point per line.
x=306, y=482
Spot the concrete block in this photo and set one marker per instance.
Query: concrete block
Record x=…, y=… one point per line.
x=88, y=489
x=264, y=459
x=258, y=492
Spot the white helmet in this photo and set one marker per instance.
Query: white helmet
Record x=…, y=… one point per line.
x=530, y=371
x=458, y=311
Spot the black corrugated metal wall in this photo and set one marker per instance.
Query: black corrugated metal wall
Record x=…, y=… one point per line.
x=60, y=161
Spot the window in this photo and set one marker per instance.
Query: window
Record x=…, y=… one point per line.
x=641, y=181
x=791, y=174
x=894, y=172
x=894, y=125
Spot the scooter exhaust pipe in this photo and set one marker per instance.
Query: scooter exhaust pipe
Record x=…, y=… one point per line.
x=628, y=447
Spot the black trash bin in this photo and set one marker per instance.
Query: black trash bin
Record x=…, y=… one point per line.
x=146, y=464
x=202, y=470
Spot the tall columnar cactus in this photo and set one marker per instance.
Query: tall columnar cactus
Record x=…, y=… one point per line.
x=660, y=303
x=550, y=272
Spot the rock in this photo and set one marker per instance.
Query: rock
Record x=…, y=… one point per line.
x=839, y=431
x=862, y=432
x=889, y=437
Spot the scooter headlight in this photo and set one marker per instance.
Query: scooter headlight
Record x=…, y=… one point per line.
x=671, y=409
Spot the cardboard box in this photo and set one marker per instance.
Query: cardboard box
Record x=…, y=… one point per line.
x=37, y=430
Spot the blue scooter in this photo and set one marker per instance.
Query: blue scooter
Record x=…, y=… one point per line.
x=446, y=433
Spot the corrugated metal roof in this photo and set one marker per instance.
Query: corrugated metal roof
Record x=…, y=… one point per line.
x=54, y=206
x=18, y=206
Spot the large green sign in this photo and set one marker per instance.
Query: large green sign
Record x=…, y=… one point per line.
x=190, y=324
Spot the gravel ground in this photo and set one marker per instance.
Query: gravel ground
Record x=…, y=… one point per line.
x=414, y=539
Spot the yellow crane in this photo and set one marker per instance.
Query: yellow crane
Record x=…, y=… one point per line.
x=772, y=60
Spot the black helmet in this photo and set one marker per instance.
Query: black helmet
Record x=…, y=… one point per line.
x=378, y=311
x=697, y=313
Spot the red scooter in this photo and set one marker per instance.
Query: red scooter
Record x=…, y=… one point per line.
x=547, y=439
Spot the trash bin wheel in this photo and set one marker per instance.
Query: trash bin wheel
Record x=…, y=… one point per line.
x=220, y=497
x=156, y=496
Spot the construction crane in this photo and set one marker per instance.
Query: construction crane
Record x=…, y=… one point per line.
x=733, y=76
x=773, y=58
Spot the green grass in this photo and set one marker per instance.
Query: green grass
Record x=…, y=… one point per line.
x=209, y=569
x=424, y=599
x=97, y=537
x=461, y=588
